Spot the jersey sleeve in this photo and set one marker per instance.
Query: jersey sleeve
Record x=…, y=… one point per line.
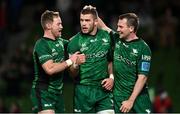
x=73, y=45
x=43, y=52
x=144, y=62
x=110, y=55
x=113, y=36
x=65, y=42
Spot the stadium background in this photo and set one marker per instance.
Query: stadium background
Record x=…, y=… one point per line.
x=20, y=28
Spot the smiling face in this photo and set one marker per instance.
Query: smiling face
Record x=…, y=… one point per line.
x=88, y=23
x=127, y=26
x=123, y=29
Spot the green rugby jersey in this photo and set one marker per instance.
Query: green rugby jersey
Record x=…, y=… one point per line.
x=130, y=59
x=44, y=50
x=96, y=48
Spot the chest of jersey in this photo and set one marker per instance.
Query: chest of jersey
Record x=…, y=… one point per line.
x=94, y=47
x=127, y=53
x=56, y=50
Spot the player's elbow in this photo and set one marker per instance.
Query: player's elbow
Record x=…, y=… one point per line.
x=142, y=77
x=48, y=68
x=49, y=72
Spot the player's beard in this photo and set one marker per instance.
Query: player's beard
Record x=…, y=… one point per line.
x=90, y=29
x=56, y=33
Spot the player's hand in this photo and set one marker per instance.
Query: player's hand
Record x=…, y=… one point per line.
x=81, y=59
x=126, y=106
x=77, y=59
x=74, y=56
x=108, y=83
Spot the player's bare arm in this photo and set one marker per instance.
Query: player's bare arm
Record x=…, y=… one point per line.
x=108, y=83
x=103, y=26
x=52, y=68
x=128, y=104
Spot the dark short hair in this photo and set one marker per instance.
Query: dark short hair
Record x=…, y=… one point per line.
x=132, y=20
x=47, y=17
x=90, y=10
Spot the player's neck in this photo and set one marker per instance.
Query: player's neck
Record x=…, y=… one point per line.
x=131, y=37
x=49, y=35
x=94, y=31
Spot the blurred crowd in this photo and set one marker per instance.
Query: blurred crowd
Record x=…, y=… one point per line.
x=20, y=28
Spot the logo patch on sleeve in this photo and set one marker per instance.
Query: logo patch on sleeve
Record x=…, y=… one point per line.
x=145, y=66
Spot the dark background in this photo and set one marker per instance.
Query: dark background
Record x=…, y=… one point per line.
x=20, y=28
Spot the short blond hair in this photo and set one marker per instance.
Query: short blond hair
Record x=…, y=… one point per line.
x=48, y=17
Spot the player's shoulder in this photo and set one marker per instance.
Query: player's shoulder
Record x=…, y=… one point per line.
x=41, y=42
x=62, y=40
x=144, y=45
x=103, y=34
x=76, y=36
x=101, y=31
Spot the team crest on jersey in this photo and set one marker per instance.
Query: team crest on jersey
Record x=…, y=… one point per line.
x=105, y=41
x=54, y=53
x=57, y=45
x=53, y=50
x=84, y=47
x=134, y=52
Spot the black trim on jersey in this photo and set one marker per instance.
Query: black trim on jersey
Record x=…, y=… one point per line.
x=77, y=78
x=112, y=44
x=38, y=95
x=46, y=38
x=66, y=56
x=134, y=40
x=113, y=36
x=110, y=55
x=43, y=80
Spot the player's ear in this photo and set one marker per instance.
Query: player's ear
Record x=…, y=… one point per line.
x=48, y=25
x=131, y=28
x=96, y=21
